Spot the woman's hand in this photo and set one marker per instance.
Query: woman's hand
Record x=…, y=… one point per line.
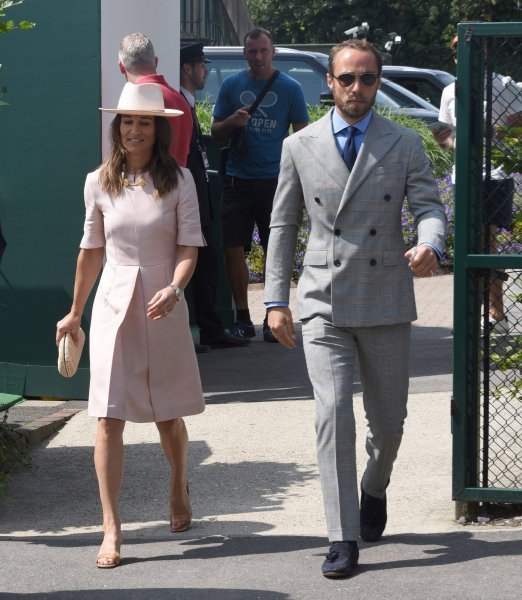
x=161, y=304
x=69, y=324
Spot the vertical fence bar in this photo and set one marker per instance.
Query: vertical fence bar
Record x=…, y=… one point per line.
x=485, y=408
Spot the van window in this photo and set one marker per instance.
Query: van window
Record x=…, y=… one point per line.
x=422, y=87
x=312, y=81
x=218, y=70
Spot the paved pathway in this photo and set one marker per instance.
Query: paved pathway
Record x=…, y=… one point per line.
x=259, y=530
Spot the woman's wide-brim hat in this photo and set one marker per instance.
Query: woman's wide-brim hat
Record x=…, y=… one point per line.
x=142, y=99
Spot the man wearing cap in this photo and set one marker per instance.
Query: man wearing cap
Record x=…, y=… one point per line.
x=252, y=168
x=193, y=73
x=138, y=62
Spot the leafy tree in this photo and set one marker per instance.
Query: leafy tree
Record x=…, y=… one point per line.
x=9, y=25
x=426, y=27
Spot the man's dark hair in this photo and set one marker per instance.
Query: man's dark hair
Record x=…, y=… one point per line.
x=363, y=45
x=256, y=33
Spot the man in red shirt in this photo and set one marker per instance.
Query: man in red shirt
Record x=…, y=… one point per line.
x=138, y=62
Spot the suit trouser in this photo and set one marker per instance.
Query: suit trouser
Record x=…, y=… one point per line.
x=331, y=352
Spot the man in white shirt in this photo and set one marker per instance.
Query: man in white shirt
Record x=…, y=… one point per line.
x=506, y=110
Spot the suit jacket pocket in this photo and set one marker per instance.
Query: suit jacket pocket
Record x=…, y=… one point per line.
x=315, y=258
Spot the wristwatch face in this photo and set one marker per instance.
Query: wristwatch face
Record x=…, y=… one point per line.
x=178, y=292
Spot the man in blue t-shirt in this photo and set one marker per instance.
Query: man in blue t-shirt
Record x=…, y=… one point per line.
x=253, y=166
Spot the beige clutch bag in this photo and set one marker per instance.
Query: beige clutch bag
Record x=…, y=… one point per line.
x=69, y=354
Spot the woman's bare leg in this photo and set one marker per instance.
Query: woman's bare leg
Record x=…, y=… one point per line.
x=108, y=460
x=174, y=441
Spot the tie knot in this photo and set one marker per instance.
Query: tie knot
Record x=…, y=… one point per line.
x=352, y=130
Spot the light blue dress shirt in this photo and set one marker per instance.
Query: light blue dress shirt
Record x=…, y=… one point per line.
x=340, y=130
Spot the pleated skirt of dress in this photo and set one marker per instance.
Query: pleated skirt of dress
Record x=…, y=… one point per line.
x=154, y=374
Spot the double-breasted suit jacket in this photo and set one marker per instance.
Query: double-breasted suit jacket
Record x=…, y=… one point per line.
x=355, y=273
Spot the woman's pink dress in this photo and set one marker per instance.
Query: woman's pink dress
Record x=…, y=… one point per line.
x=141, y=370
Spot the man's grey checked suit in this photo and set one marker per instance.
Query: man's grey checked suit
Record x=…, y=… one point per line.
x=355, y=295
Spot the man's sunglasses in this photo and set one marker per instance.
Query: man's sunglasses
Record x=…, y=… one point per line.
x=348, y=79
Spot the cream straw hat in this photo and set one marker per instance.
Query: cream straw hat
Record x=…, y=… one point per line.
x=142, y=99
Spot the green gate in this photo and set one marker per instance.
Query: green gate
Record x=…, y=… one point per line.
x=487, y=403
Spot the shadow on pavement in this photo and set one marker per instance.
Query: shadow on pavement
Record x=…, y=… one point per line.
x=392, y=552
x=446, y=548
x=60, y=490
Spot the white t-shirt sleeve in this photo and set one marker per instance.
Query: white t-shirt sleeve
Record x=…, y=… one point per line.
x=447, y=105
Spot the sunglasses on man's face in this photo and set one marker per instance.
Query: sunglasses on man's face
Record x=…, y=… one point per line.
x=348, y=79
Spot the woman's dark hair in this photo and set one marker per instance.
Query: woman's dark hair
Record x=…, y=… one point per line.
x=163, y=168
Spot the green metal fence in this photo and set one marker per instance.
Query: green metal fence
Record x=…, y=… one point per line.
x=487, y=403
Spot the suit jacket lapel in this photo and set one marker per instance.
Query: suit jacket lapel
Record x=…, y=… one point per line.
x=322, y=148
x=321, y=145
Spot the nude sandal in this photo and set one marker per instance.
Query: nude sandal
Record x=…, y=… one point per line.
x=180, y=523
x=113, y=556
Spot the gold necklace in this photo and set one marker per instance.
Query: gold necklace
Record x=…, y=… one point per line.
x=126, y=183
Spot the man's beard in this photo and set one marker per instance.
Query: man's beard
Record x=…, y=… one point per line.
x=353, y=111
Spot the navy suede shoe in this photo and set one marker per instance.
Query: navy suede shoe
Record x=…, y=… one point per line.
x=341, y=560
x=373, y=517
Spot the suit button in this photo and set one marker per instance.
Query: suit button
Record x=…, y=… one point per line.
x=337, y=231
x=373, y=262
x=373, y=231
x=337, y=263
x=387, y=197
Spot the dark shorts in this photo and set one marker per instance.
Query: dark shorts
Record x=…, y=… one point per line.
x=498, y=202
x=245, y=203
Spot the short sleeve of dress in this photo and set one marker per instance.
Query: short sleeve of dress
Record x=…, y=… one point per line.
x=189, y=223
x=93, y=230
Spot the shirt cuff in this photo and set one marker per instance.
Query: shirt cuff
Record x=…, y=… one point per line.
x=272, y=304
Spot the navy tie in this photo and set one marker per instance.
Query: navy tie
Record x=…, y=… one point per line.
x=349, y=152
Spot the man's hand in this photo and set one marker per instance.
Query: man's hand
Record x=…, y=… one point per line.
x=240, y=118
x=422, y=261
x=282, y=326
x=221, y=129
